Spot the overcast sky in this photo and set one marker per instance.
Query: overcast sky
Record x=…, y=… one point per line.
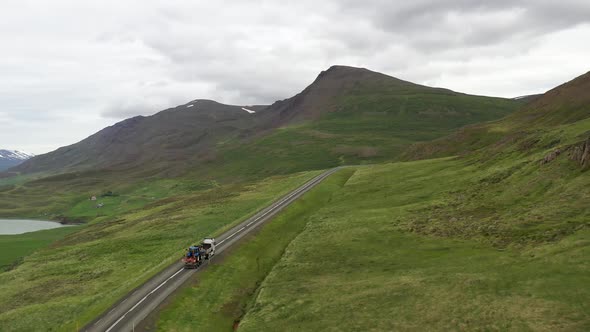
x=69, y=68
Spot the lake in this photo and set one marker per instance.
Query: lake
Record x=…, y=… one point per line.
x=19, y=226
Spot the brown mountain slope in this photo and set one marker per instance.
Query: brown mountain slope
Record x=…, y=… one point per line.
x=356, y=113
x=560, y=117
x=320, y=96
x=176, y=134
x=566, y=103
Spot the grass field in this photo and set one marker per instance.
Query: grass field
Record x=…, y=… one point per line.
x=432, y=245
x=13, y=248
x=362, y=264
x=223, y=291
x=76, y=278
x=491, y=240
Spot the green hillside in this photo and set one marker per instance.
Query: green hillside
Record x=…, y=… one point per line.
x=365, y=117
x=392, y=253
x=71, y=281
x=495, y=239
x=560, y=119
x=346, y=116
x=438, y=245
x=391, y=240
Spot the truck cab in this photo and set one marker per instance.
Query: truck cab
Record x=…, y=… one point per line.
x=208, y=247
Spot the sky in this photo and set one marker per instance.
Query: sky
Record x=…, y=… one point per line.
x=70, y=68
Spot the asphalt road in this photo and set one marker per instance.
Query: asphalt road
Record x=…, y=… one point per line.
x=137, y=305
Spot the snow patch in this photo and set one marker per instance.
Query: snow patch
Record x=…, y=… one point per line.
x=189, y=106
x=249, y=111
x=15, y=155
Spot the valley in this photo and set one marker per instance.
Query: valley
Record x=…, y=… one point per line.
x=448, y=209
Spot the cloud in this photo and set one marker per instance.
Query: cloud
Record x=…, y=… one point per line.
x=91, y=63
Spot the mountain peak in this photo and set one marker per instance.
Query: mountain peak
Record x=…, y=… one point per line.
x=343, y=68
x=15, y=155
x=338, y=72
x=319, y=97
x=11, y=158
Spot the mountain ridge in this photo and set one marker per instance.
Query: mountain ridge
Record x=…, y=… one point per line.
x=546, y=122
x=11, y=158
x=175, y=138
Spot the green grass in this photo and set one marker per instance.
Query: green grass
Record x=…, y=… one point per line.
x=485, y=242
x=222, y=291
x=412, y=283
x=67, y=195
x=75, y=279
x=13, y=248
x=444, y=244
x=370, y=124
x=380, y=256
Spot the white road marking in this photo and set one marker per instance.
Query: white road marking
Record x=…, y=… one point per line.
x=247, y=110
x=98, y=321
x=274, y=207
x=140, y=301
x=312, y=182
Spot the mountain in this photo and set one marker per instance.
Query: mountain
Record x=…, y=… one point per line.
x=182, y=133
x=558, y=118
x=354, y=116
x=11, y=158
x=335, y=89
x=527, y=98
x=348, y=115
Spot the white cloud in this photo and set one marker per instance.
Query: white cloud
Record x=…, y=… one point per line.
x=72, y=67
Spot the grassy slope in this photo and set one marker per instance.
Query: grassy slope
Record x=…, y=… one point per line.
x=223, y=290
x=13, y=248
x=557, y=119
x=371, y=124
x=66, y=195
x=78, y=277
x=364, y=263
x=360, y=132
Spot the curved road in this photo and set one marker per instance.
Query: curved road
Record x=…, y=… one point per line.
x=137, y=305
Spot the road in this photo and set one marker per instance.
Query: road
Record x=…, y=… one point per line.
x=137, y=305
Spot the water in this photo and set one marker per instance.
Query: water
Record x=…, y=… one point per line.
x=19, y=226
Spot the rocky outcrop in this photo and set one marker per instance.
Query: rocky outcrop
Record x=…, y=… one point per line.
x=550, y=156
x=580, y=153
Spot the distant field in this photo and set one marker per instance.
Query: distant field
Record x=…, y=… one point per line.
x=14, y=248
x=84, y=273
x=432, y=245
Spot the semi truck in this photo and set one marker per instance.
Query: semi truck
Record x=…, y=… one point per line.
x=208, y=247
x=197, y=254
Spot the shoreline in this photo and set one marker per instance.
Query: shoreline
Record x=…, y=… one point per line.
x=24, y=231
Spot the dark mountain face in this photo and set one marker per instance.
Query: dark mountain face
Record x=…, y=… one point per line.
x=320, y=97
x=178, y=134
x=346, y=103
x=190, y=132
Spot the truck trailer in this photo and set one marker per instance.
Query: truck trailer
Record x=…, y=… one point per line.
x=197, y=254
